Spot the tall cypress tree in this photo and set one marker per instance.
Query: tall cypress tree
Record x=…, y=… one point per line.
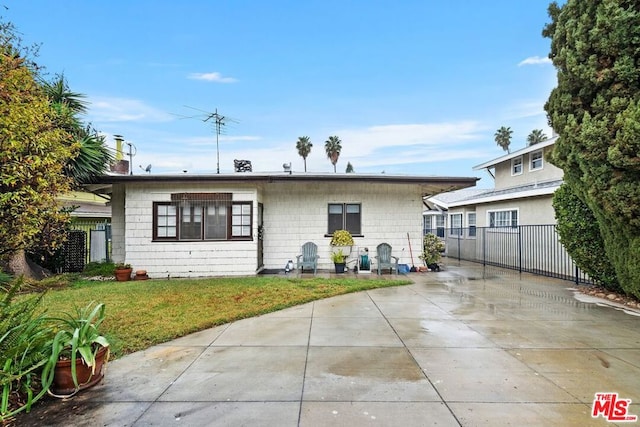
x=595, y=108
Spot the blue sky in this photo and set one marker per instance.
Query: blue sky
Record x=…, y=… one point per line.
x=410, y=87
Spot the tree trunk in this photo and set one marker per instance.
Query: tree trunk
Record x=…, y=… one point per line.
x=19, y=265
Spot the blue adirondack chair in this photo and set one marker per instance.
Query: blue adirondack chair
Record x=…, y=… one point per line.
x=385, y=259
x=308, y=258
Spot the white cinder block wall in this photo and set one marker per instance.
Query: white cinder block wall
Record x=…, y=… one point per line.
x=295, y=213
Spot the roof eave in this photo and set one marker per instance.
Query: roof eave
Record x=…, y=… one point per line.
x=518, y=153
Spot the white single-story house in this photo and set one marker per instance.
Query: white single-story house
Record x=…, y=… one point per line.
x=191, y=225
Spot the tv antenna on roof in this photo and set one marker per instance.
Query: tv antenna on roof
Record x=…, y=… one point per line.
x=219, y=121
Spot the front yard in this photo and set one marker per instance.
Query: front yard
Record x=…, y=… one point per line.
x=140, y=314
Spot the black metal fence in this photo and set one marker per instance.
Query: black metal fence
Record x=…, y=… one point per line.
x=527, y=248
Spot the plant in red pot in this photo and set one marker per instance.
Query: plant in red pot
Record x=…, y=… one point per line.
x=78, y=353
x=123, y=272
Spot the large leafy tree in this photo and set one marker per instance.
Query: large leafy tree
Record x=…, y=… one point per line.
x=304, y=148
x=332, y=147
x=595, y=108
x=503, y=138
x=34, y=151
x=536, y=136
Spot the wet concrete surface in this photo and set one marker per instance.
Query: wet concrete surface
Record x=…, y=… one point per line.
x=467, y=346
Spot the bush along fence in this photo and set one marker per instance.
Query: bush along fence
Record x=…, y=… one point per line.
x=527, y=248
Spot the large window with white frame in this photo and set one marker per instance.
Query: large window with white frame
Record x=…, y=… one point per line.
x=202, y=216
x=471, y=224
x=516, y=165
x=536, y=160
x=503, y=218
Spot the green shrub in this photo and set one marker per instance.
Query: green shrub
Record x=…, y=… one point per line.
x=432, y=249
x=98, y=269
x=341, y=238
x=580, y=235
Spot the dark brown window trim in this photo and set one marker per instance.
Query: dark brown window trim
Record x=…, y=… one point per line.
x=176, y=202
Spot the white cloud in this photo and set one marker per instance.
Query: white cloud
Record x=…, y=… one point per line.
x=367, y=140
x=371, y=149
x=212, y=77
x=105, y=109
x=535, y=60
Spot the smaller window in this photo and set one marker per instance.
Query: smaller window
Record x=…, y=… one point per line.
x=516, y=166
x=427, y=222
x=241, y=220
x=345, y=216
x=456, y=225
x=503, y=219
x=166, y=218
x=440, y=225
x=471, y=223
x=536, y=160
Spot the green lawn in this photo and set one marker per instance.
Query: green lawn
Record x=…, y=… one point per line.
x=143, y=313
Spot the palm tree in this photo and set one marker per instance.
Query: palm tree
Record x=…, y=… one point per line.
x=536, y=136
x=333, y=147
x=93, y=155
x=503, y=138
x=304, y=148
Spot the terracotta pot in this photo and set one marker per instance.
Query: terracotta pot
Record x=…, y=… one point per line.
x=123, y=275
x=63, y=385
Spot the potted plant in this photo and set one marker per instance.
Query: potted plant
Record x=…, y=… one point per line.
x=342, y=239
x=338, y=259
x=432, y=249
x=78, y=352
x=123, y=272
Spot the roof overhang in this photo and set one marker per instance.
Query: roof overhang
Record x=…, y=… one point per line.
x=429, y=185
x=529, y=149
x=497, y=197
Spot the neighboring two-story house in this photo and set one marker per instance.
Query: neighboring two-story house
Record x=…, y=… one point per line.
x=524, y=185
x=513, y=224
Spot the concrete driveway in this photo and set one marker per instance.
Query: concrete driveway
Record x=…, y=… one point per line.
x=465, y=346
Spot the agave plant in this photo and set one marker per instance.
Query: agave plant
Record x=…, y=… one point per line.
x=23, y=350
x=78, y=337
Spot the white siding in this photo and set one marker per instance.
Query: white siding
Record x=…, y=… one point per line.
x=504, y=179
x=294, y=213
x=297, y=213
x=183, y=259
x=531, y=211
x=118, y=252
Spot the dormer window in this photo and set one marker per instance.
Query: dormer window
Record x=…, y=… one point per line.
x=535, y=158
x=516, y=166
